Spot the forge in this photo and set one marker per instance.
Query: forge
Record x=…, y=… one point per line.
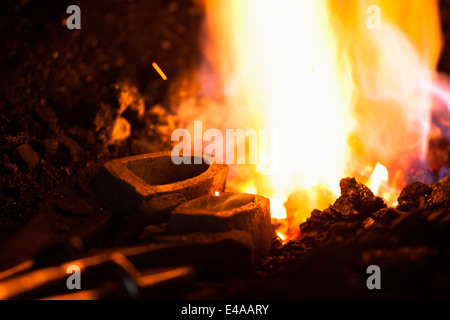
x=225, y=149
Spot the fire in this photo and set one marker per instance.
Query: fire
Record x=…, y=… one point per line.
x=277, y=208
x=281, y=236
x=342, y=95
x=379, y=175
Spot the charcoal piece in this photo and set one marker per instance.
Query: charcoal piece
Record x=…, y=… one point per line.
x=413, y=196
x=81, y=135
x=7, y=166
x=444, y=181
x=48, y=116
x=412, y=229
x=320, y=221
x=367, y=223
x=376, y=236
x=11, y=142
x=75, y=151
x=440, y=195
x=387, y=215
x=315, y=224
x=331, y=214
x=357, y=201
x=341, y=231
x=293, y=246
x=276, y=248
x=46, y=148
x=26, y=156
x=104, y=121
x=310, y=240
x=316, y=214
x=50, y=147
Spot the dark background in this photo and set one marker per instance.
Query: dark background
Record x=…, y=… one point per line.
x=56, y=79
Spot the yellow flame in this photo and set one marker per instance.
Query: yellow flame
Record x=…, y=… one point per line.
x=277, y=208
x=276, y=74
x=281, y=236
x=248, y=188
x=342, y=95
x=379, y=175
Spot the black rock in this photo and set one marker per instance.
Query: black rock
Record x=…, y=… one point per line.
x=315, y=224
x=376, y=236
x=82, y=136
x=412, y=229
x=341, y=231
x=357, y=201
x=440, y=195
x=26, y=156
x=414, y=196
x=387, y=215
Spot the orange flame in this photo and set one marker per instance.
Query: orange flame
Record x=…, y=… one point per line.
x=343, y=95
x=379, y=175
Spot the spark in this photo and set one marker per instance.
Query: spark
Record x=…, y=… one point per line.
x=158, y=69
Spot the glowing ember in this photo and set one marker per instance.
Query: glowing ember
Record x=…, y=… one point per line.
x=281, y=236
x=344, y=96
x=121, y=130
x=129, y=99
x=158, y=69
